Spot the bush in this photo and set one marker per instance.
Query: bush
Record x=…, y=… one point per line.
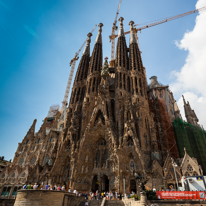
x=151, y=195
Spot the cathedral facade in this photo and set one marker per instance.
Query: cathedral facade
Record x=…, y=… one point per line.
x=106, y=135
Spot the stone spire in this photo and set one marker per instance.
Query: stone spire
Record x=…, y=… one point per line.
x=96, y=58
x=132, y=34
x=84, y=62
x=121, y=52
x=87, y=47
x=99, y=35
x=190, y=114
x=121, y=29
x=135, y=60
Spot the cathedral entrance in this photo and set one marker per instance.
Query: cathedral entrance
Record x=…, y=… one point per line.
x=95, y=184
x=105, y=184
x=133, y=186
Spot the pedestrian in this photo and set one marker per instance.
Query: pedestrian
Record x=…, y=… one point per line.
x=35, y=187
x=86, y=203
x=28, y=186
x=24, y=187
x=47, y=187
x=63, y=188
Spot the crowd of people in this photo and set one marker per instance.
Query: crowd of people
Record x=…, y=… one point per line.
x=91, y=196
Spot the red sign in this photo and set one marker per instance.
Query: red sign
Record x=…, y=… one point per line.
x=181, y=195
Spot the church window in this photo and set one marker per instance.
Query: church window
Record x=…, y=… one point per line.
x=156, y=174
x=189, y=168
x=102, y=142
x=51, y=139
x=27, y=141
x=130, y=142
x=195, y=173
x=38, y=140
x=140, y=85
x=128, y=84
x=124, y=81
x=82, y=93
x=187, y=174
x=120, y=81
x=46, y=159
x=77, y=96
x=107, y=109
x=105, y=156
x=128, y=115
x=169, y=176
x=33, y=160
x=89, y=86
x=136, y=85
x=113, y=109
x=171, y=169
x=93, y=88
x=21, y=161
x=73, y=95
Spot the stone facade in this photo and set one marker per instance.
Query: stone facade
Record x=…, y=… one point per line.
x=107, y=134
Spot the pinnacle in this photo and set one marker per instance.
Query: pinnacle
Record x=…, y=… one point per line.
x=87, y=47
x=99, y=35
x=121, y=29
x=132, y=35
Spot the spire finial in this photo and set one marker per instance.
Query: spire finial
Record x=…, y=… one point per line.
x=185, y=150
x=99, y=35
x=87, y=47
x=121, y=30
x=184, y=99
x=132, y=35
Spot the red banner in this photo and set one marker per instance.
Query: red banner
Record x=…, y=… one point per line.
x=180, y=195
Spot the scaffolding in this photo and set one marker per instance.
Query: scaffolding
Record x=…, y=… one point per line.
x=164, y=128
x=193, y=138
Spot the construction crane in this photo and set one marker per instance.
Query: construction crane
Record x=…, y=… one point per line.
x=72, y=64
x=112, y=39
x=161, y=22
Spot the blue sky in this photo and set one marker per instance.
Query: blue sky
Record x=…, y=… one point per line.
x=38, y=39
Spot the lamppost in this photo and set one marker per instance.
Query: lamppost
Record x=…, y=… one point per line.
x=175, y=165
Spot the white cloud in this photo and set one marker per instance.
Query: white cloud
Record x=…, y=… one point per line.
x=191, y=79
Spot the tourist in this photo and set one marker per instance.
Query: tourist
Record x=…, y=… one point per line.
x=111, y=195
x=28, y=186
x=86, y=203
x=35, y=187
x=59, y=188
x=47, y=187
x=63, y=188
x=154, y=189
x=97, y=195
x=24, y=187
x=86, y=197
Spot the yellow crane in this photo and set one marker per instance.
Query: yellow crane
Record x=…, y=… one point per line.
x=113, y=36
x=72, y=64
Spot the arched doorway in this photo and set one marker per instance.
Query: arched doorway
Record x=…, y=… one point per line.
x=133, y=186
x=105, y=184
x=95, y=185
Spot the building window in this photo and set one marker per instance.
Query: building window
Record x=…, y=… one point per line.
x=189, y=168
x=33, y=160
x=51, y=139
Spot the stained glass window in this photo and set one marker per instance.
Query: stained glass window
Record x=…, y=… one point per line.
x=46, y=159
x=33, y=160
x=21, y=161
x=189, y=168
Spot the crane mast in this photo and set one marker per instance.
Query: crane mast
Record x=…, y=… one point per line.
x=72, y=64
x=114, y=27
x=162, y=21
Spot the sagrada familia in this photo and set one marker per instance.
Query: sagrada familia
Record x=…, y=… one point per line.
x=115, y=125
